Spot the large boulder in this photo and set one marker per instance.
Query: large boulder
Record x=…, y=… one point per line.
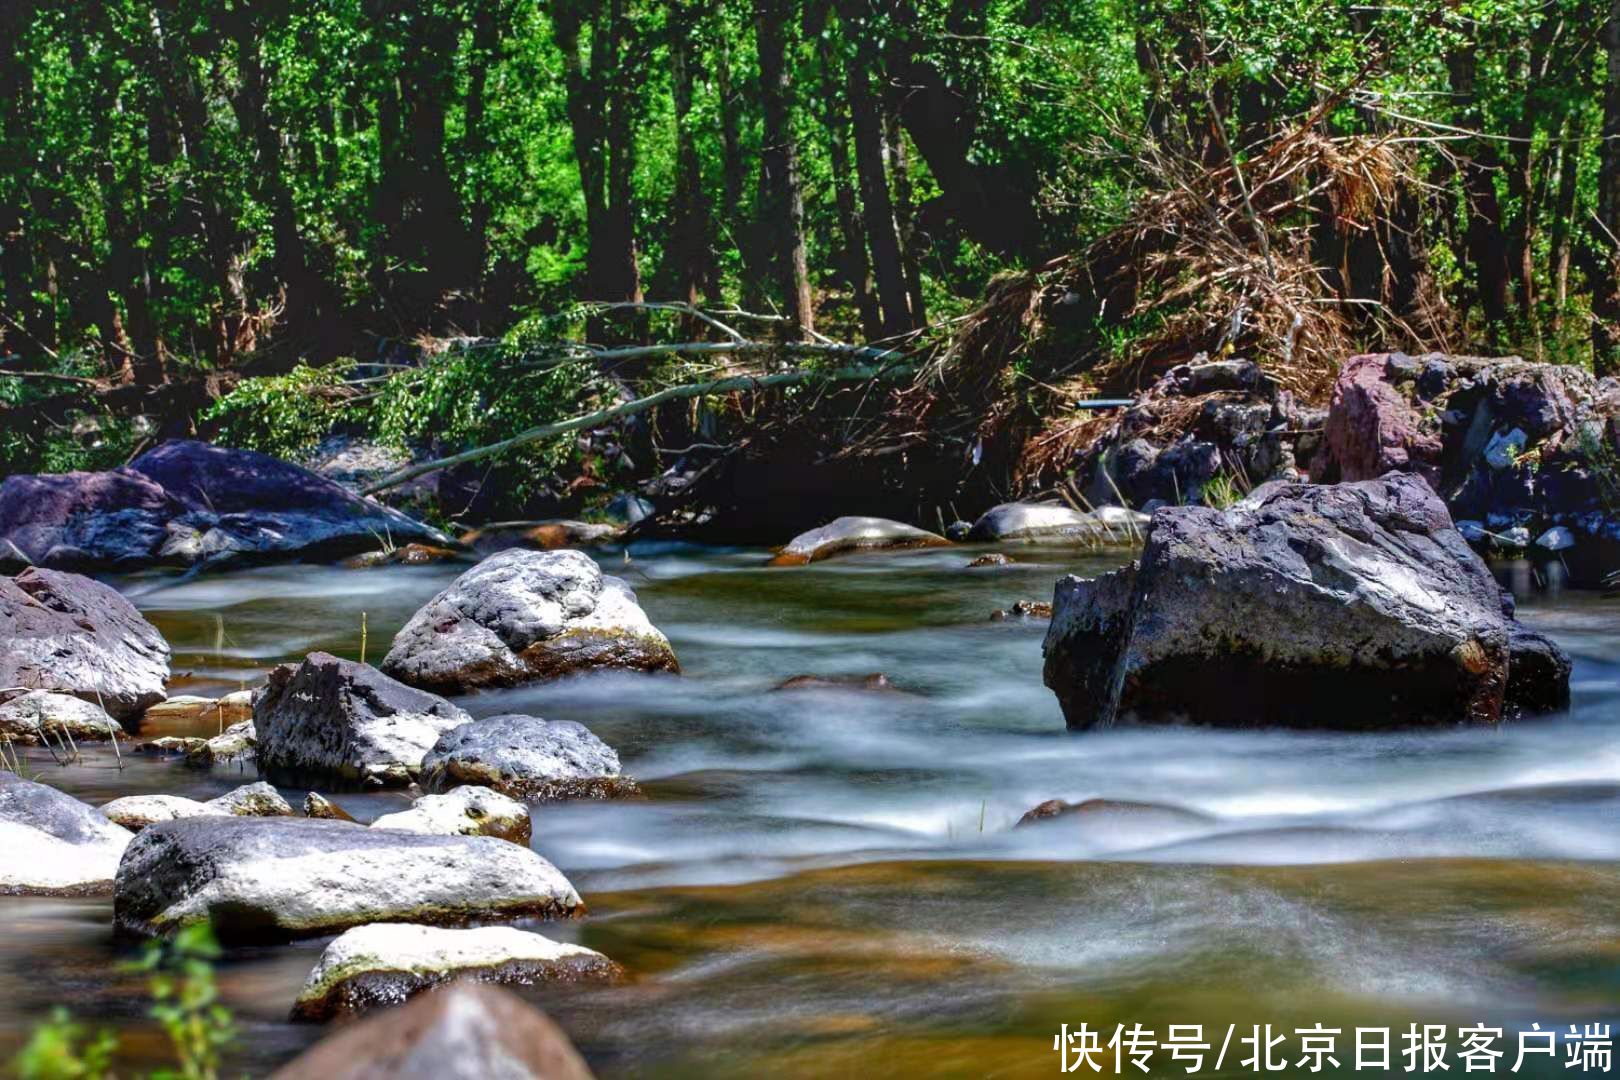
x=186, y=502
x=464, y=811
x=1052, y=522
x=388, y=963
x=291, y=877
x=1372, y=428
x=465, y=1031
x=65, y=632
x=523, y=616
x=340, y=721
x=846, y=534
x=529, y=758
x=1344, y=606
x=33, y=716
x=53, y=844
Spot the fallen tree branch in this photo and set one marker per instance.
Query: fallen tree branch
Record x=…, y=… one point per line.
x=729, y=384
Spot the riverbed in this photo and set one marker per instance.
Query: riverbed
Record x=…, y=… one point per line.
x=827, y=882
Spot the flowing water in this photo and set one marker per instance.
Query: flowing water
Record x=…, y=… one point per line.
x=826, y=882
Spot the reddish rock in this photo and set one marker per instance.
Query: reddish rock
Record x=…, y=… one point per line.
x=1372, y=427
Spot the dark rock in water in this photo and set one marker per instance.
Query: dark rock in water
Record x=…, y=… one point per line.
x=529, y=758
x=51, y=844
x=849, y=534
x=1096, y=811
x=463, y=1032
x=1538, y=673
x=958, y=531
x=1023, y=609
x=526, y=616
x=1343, y=606
x=288, y=877
x=68, y=633
x=995, y=558
x=628, y=509
x=875, y=681
x=346, y=722
x=389, y=963
x=185, y=502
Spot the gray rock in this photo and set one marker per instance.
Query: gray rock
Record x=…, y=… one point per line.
x=29, y=717
x=386, y=964
x=1557, y=538
x=1345, y=606
x=280, y=878
x=1473, y=531
x=466, y=1031
x=468, y=810
x=238, y=742
x=53, y=844
x=1054, y=522
x=317, y=805
x=527, y=757
x=252, y=800
x=65, y=632
x=136, y=812
x=340, y=721
x=849, y=534
x=1504, y=448
x=185, y=502
x=524, y=616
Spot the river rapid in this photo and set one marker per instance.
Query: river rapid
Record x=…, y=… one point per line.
x=827, y=882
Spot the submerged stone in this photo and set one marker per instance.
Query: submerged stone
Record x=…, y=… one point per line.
x=850, y=534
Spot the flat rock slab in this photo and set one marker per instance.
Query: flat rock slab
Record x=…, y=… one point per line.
x=53, y=844
x=186, y=502
x=844, y=535
x=280, y=878
x=387, y=964
x=465, y=1031
x=527, y=757
x=39, y=714
x=526, y=616
x=65, y=632
x=337, y=721
x=464, y=811
x=1055, y=523
x=1351, y=605
x=136, y=812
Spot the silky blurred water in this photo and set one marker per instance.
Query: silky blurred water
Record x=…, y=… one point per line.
x=827, y=881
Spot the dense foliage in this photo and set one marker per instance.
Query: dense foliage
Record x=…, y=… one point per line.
x=193, y=192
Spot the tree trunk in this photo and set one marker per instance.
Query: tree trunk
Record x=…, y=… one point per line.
x=691, y=252
x=867, y=120
x=905, y=218
x=1487, y=246
x=1606, y=287
x=852, y=255
x=1569, y=161
x=781, y=213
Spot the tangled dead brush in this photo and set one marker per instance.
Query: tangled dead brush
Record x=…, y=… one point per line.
x=1299, y=255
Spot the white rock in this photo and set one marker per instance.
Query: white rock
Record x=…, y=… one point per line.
x=51, y=842
x=463, y=811
x=136, y=812
x=385, y=963
x=29, y=718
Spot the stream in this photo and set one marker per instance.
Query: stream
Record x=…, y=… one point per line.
x=826, y=882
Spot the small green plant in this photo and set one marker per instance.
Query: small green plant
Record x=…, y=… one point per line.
x=284, y=415
x=1221, y=491
x=180, y=977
